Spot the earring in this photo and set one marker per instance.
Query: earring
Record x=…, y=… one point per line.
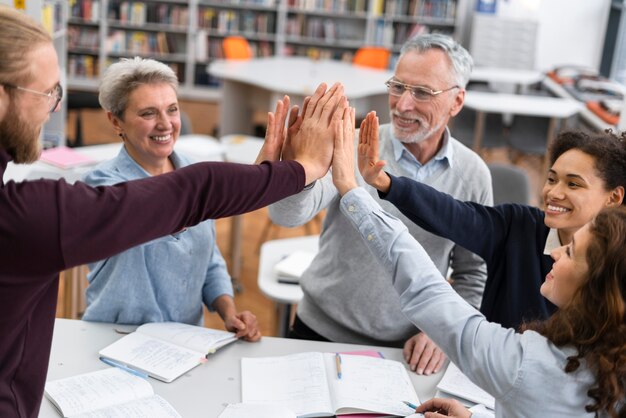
x=121, y=135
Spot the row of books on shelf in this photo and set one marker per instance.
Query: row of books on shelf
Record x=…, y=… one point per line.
x=79, y=37
x=322, y=28
x=439, y=9
x=317, y=53
x=267, y=3
x=88, y=10
x=211, y=48
x=82, y=66
x=329, y=5
x=227, y=21
x=52, y=16
x=145, y=43
x=139, y=13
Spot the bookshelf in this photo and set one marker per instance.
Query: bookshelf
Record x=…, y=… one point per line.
x=187, y=35
x=53, y=16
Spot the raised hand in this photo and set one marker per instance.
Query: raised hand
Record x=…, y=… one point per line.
x=370, y=167
x=343, y=154
x=313, y=143
x=293, y=126
x=275, y=132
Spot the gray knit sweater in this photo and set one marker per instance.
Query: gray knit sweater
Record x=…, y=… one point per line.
x=344, y=281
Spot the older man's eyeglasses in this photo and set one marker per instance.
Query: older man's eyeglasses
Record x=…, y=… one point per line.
x=54, y=96
x=419, y=93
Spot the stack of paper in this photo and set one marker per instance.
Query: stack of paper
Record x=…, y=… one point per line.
x=290, y=268
x=64, y=157
x=456, y=385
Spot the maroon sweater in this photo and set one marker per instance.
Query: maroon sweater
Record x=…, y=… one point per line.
x=47, y=226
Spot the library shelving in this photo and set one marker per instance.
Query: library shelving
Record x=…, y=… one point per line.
x=187, y=35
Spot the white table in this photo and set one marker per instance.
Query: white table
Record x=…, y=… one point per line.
x=284, y=295
x=511, y=76
x=260, y=82
x=206, y=389
x=551, y=107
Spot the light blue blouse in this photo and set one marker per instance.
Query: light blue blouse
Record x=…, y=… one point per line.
x=524, y=372
x=167, y=279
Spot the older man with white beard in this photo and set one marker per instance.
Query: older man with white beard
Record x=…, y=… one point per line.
x=345, y=299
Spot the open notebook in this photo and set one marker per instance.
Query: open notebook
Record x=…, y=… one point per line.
x=166, y=350
x=308, y=384
x=107, y=393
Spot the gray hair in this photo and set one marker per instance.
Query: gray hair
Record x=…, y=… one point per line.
x=122, y=77
x=461, y=60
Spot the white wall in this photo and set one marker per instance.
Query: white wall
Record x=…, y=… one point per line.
x=569, y=31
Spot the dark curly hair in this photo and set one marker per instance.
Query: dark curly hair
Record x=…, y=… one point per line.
x=594, y=320
x=607, y=149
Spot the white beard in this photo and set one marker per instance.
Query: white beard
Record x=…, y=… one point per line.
x=422, y=134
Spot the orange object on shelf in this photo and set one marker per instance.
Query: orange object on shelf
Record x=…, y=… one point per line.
x=602, y=113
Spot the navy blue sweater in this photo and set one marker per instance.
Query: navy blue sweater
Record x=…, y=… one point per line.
x=509, y=237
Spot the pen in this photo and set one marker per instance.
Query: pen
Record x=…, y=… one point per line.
x=410, y=405
x=338, y=364
x=123, y=367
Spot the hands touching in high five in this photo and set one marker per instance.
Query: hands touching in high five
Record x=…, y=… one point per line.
x=370, y=167
x=309, y=135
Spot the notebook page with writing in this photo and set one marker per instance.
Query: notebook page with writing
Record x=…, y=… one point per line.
x=455, y=383
x=297, y=381
x=370, y=384
x=91, y=391
x=205, y=340
x=309, y=385
x=152, y=407
x=158, y=358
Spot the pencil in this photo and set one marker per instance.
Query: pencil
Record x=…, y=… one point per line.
x=338, y=364
x=410, y=405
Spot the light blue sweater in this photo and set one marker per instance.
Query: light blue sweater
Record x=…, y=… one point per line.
x=524, y=372
x=167, y=279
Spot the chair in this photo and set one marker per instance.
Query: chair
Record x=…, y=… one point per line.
x=373, y=57
x=236, y=48
x=283, y=295
x=529, y=136
x=510, y=184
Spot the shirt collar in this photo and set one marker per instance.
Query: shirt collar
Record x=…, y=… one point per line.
x=552, y=241
x=445, y=153
x=127, y=163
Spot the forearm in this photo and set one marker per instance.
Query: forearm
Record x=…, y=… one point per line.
x=300, y=208
x=77, y=224
x=225, y=307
